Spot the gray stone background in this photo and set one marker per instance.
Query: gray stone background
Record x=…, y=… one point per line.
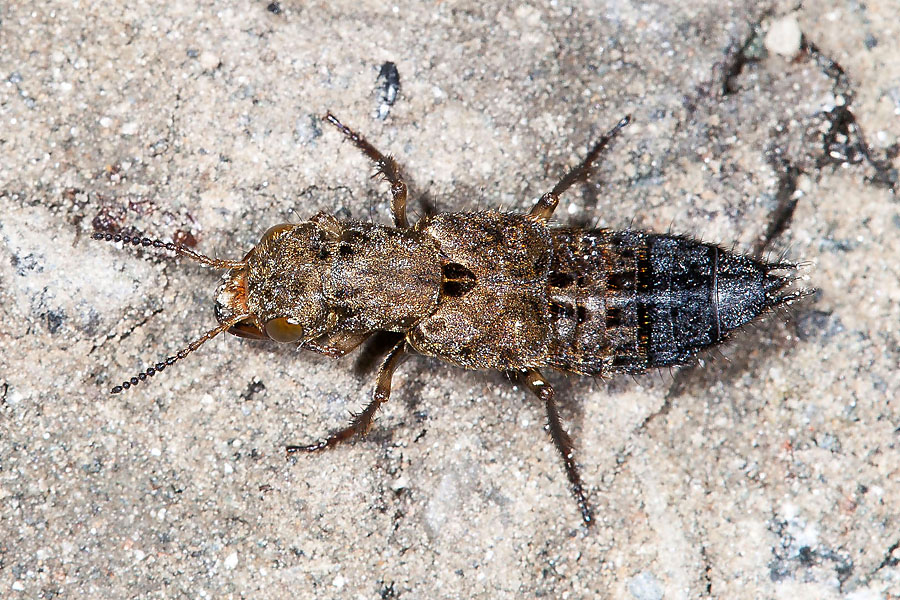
x=771, y=470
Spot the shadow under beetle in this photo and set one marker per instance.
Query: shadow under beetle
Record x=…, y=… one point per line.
x=486, y=290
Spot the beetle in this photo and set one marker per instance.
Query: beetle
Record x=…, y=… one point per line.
x=485, y=290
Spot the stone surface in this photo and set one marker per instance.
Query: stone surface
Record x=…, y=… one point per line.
x=771, y=470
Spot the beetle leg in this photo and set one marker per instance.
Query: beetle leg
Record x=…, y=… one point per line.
x=544, y=207
x=541, y=388
x=362, y=422
x=387, y=167
x=335, y=345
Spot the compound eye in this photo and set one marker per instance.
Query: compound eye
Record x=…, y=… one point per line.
x=284, y=329
x=273, y=231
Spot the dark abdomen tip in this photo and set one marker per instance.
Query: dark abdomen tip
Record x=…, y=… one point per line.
x=697, y=293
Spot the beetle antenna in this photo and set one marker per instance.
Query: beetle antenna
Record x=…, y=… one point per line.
x=178, y=249
x=168, y=362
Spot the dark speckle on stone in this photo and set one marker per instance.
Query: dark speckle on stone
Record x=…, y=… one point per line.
x=193, y=53
x=93, y=467
x=871, y=41
x=89, y=320
x=388, y=89
x=274, y=8
x=253, y=388
x=387, y=591
x=307, y=129
x=828, y=441
x=817, y=324
x=24, y=264
x=55, y=319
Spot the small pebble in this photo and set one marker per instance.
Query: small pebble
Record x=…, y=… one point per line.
x=784, y=37
x=208, y=61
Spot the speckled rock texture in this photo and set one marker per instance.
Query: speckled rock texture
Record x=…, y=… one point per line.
x=769, y=470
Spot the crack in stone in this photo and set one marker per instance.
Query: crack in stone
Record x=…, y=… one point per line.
x=845, y=141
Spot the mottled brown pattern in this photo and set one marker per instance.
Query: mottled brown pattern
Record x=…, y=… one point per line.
x=485, y=290
x=502, y=321
x=596, y=280
x=338, y=281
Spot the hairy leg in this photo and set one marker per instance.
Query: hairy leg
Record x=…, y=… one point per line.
x=541, y=388
x=544, y=207
x=387, y=167
x=362, y=422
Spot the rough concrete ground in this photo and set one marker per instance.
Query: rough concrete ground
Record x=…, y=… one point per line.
x=769, y=471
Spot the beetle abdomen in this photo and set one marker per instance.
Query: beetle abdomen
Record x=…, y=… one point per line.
x=625, y=301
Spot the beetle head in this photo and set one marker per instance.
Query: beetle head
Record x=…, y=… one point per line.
x=279, y=286
x=274, y=292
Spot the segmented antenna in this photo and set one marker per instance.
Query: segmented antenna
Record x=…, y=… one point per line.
x=168, y=362
x=215, y=263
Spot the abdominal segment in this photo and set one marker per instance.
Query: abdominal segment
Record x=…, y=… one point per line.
x=626, y=301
